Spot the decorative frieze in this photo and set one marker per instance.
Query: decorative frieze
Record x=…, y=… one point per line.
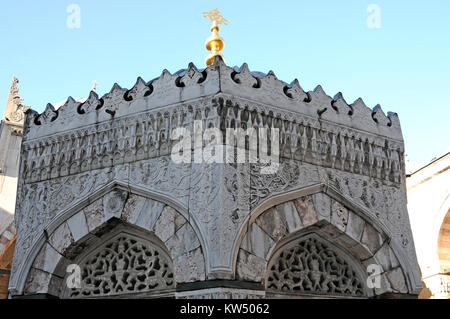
x=148, y=135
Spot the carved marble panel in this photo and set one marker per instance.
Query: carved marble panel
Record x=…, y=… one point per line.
x=124, y=265
x=73, y=156
x=313, y=267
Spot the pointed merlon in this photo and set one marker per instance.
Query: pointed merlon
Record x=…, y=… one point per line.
x=319, y=98
x=140, y=88
x=379, y=116
x=271, y=74
x=218, y=61
x=244, y=68
x=359, y=103
x=92, y=96
x=70, y=100
x=115, y=87
x=295, y=91
x=245, y=77
x=338, y=96
x=340, y=105
x=394, y=120
x=191, y=76
x=49, y=107
x=191, y=65
x=319, y=90
x=140, y=81
x=296, y=84
x=91, y=104
x=360, y=107
x=68, y=104
x=165, y=73
x=49, y=115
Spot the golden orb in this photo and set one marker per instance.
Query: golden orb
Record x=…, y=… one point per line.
x=214, y=43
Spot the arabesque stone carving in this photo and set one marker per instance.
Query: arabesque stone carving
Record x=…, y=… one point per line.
x=339, y=163
x=312, y=267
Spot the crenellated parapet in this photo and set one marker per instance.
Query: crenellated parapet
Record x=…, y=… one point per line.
x=125, y=125
x=192, y=83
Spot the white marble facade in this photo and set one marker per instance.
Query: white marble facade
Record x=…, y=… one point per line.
x=100, y=173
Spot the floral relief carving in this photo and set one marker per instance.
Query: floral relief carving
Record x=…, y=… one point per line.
x=204, y=190
x=164, y=175
x=245, y=77
x=262, y=186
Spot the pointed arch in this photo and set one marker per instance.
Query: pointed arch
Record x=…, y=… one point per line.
x=73, y=228
x=335, y=218
x=123, y=263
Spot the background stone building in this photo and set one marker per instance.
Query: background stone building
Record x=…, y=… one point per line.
x=428, y=206
x=100, y=194
x=10, y=140
x=11, y=127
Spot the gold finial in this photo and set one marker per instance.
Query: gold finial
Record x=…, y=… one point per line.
x=214, y=43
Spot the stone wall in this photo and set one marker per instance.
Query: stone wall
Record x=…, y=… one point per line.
x=341, y=177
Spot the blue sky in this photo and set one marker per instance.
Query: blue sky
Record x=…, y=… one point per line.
x=404, y=65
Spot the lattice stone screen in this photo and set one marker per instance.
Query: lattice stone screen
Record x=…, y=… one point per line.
x=124, y=264
x=328, y=149
x=312, y=267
